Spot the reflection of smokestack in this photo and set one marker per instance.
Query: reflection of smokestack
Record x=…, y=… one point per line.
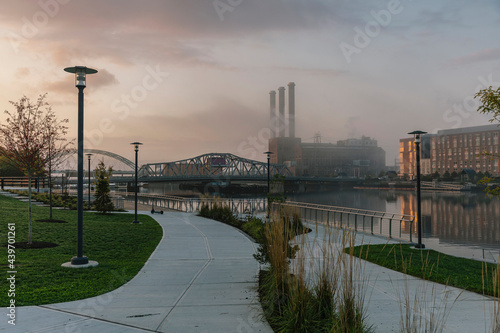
x=272, y=119
x=281, y=119
x=291, y=109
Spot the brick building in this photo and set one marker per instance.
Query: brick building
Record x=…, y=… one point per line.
x=454, y=150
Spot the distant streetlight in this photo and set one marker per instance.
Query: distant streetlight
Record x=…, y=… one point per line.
x=89, y=155
x=80, y=82
x=268, y=153
x=419, y=211
x=136, y=146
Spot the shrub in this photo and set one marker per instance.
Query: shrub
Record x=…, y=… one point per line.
x=102, y=202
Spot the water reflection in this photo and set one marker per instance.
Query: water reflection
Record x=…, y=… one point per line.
x=449, y=219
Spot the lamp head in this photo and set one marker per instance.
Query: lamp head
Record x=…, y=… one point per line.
x=417, y=134
x=268, y=153
x=80, y=74
x=89, y=155
x=136, y=145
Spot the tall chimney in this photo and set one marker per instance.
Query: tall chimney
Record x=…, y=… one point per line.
x=291, y=110
x=272, y=118
x=281, y=119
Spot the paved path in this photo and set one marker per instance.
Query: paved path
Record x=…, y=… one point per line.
x=465, y=312
x=201, y=278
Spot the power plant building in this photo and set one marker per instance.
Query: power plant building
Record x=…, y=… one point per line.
x=349, y=158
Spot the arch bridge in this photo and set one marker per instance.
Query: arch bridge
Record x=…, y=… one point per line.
x=210, y=167
x=119, y=163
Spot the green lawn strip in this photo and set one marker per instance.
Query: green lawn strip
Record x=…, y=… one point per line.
x=431, y=265
x=120, y=247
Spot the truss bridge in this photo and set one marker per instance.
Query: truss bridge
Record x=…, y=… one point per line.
x=211, y=167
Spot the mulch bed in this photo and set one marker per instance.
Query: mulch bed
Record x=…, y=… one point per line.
x=34, y=245
x=51, y=221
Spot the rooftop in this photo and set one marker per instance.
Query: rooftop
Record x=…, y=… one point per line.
x=465, y=130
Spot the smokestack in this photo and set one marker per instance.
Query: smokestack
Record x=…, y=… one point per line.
x=291, y=110
x=281, y=119
x=272, y=119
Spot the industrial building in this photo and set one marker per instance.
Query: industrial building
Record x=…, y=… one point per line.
x=454, y=150
x=350, y=158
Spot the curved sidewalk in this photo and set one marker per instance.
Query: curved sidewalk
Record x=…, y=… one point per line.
x=202, y=277
x=388, y=293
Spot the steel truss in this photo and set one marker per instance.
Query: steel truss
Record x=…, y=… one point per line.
x=212, y=166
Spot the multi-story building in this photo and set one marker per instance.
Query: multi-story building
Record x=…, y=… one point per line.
x=407, y=156
x=454, y=150
x=352, y=157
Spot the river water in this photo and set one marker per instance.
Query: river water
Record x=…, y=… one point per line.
x=463, y=224
x=459, y=223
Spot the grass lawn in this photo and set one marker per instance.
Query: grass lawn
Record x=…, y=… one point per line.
x=431, y=265
x=120, y=247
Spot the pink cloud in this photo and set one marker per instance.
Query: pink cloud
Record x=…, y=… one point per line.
x=483, y=55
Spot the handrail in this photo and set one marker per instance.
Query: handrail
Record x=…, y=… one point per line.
x=363, y=212
x=340, y=212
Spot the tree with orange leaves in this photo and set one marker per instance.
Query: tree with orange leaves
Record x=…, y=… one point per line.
x=31, y=138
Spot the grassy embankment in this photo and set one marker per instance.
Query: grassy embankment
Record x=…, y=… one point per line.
x=434, y=266
x=120, y=247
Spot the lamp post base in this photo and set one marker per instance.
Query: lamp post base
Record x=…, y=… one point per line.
x=90, y=263
x=79, y=261
x=419, y=246
x=136, y=222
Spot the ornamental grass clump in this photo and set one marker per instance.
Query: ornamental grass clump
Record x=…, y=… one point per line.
x=315, y=286
x=420, y=308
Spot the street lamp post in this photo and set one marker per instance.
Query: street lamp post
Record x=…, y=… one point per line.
x=80, y=82
x=89, y=155
x=136, y=147
x=418, y=135
x=268, y=153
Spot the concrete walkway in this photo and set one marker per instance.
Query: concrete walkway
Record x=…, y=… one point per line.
x=458, y=310
x=201, y=278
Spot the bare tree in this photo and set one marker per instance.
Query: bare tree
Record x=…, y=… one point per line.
x=58, y=149
x=30, y=138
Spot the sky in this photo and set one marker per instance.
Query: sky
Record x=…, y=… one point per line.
x=190, y=77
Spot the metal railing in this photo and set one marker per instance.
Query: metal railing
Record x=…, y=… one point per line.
x=248, y=206
x=36, y=182
x=389, y=224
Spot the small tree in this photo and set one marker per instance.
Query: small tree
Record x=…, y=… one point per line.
x=29, y=137
x=490, y=104
x=102, y=202
x=57, y=151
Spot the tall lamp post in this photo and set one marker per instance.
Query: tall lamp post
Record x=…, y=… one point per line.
x=89, y=155
x=418, y=135
x=136, y=147
x=268, y=153
x=80, y=82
